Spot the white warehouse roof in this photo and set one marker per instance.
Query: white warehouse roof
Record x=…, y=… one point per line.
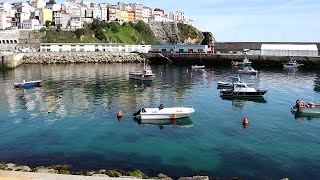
x=308, y=47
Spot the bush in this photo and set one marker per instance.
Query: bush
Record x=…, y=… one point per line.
x=42, y=29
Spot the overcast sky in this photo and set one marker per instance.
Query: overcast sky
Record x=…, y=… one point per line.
x=247, y=20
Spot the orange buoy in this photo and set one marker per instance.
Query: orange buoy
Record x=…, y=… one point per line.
x=173, y=116
x=119, y=114
x=245, y=122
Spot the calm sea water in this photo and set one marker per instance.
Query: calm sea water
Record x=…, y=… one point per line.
x=72, y=120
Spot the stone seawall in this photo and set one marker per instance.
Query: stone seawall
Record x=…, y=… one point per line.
x=80, y=57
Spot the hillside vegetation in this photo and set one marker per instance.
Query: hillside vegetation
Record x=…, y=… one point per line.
x=102, y=32
x=131, y=33
x=189, y=34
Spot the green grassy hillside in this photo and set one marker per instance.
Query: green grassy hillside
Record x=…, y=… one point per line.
x=189, y=34
x=128, y=33
x=101, y=32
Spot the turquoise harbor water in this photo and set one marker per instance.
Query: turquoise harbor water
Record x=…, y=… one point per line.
x=72, y=120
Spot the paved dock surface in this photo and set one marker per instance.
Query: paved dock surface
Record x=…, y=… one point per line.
x=18, y=175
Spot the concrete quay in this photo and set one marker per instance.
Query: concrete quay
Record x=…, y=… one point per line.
x=19, y=175
x=12, y=61
x=226, y=59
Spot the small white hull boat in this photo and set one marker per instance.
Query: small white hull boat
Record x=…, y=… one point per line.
x=145, y=75
x=163, y=113
x=249, y=71
x=229, y=84
x=27, y=84
x=292, y=64
x=226, y=84
x=197, y=67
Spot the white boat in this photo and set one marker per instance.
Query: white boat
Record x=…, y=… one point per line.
x=197, y=67
x=27, y=84
x=245, y=62
x=229, y=84
x=163, y=113
x=292, y=64
x=145, y=75
x=242, y=90
x=306, y=108
x=248, y=70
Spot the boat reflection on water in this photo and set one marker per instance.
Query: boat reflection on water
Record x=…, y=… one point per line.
x=290, y=70
x=139, y=82
x=183, y=122
x=241, y=102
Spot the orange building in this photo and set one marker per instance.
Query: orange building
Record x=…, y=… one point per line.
x=131, y=16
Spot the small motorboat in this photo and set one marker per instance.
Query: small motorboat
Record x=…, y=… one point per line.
x=292, y=64
x=197, y=67
x=229, y=84
x=145, y=75
x=248, y=70
x=27, y=84
x=245, y=62
x=242, y=90
x=305, y=107
x=163, y=113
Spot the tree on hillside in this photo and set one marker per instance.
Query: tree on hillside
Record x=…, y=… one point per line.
x=79, y=32
x=47, y=23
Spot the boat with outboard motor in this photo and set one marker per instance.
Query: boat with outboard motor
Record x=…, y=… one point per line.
x=27, y=84
x=305, y=107
x=229, y=84
x=245, y=62
x=292, y=64
x=145, y=75
x=241, y=89
x=163, y=113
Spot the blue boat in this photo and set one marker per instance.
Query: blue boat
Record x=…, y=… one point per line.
x=27, y=84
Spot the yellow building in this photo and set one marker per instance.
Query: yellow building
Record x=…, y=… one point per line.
x=131, y=16
x=45, y=15
x=124, y=15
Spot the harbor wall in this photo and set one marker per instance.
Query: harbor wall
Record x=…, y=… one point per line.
x=80, y=57
x=226, y=59
x=14, y=60
x=11, y=61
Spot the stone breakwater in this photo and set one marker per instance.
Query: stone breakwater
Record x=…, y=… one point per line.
x=81, y=57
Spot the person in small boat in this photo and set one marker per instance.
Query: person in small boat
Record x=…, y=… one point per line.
x=160, y=107
x=298, y=103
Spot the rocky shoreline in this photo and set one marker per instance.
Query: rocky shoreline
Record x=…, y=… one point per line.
x=81, y=57
x=66, y=169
